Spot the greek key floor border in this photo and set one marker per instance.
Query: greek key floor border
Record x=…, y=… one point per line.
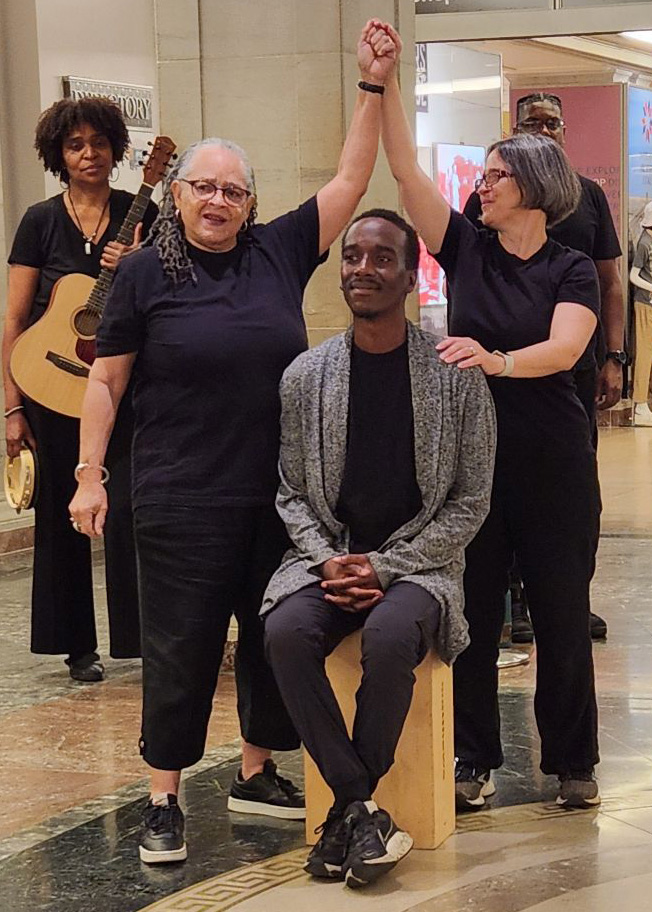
x=228, y=890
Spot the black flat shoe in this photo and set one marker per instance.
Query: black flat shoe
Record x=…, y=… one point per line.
x=87, y=668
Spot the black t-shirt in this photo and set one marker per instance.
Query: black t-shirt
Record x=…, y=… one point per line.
x=507, y=303
x=589, y=229
x=210, y=359
x=47, y=239
x=379, y=491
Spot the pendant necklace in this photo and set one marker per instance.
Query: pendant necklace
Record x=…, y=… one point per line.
x=88, y=237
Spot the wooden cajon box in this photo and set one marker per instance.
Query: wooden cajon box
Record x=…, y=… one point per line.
x=419, y=789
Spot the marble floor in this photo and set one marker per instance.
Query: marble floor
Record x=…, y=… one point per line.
x=75, y=785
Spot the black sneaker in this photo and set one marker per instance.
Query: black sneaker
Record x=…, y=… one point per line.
x=87, y=668
x=578, y=789
x=162, y=837
x=376, y=844
x=472, y=786
x=598, y=627
x=267, y=793
x=522, y=631
x=328, y=856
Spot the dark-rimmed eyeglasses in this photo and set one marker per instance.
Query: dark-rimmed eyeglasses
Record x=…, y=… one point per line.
x=534, y=125
x=491, y=177
x=206, y=190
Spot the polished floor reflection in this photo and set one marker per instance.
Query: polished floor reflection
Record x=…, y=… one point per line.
x=75, y=787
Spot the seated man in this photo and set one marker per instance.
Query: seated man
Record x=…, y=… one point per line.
x=386, y=465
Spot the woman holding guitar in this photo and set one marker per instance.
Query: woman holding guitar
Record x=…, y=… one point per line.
x=74, y=232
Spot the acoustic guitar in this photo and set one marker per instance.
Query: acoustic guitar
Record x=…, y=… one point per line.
x=51, y=360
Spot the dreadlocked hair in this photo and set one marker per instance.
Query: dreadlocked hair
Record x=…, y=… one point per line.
x=167, y=234
x=61, y=118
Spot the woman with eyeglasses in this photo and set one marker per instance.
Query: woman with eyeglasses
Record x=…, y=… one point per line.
x=207, y=317
x=525, y=309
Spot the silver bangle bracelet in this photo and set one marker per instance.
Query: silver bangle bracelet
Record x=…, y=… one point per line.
x=79, y=468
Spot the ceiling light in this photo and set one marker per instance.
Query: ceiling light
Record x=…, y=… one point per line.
x=646, y=36
x=450, y=87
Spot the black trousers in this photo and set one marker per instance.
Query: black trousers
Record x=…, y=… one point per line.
x=198, y=566
x=302, y=630
x=585, y=382
x=63, y=616
x=546, y=514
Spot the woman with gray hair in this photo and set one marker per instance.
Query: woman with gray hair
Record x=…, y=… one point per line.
x=524, y=310
x=207, y=316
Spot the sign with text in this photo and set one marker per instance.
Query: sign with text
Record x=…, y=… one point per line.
x=135, y=102
x=478, y=6
x=421, y=55
x=593, y=116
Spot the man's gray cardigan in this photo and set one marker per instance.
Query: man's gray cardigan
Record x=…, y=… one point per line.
x=454, y=444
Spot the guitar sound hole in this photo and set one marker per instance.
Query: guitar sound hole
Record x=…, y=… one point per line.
x=86, y=324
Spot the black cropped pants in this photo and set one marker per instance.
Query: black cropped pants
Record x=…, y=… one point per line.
x=545, y=513
x=199, y=566
x=302, y=630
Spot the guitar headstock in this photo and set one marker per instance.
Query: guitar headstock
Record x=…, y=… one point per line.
x=158, y=160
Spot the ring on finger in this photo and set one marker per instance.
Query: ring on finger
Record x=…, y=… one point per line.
x=472, y=350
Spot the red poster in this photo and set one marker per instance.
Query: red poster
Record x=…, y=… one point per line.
x=457, y=168
x=593, y=116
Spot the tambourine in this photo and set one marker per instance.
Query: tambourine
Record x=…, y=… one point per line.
x=21, y=479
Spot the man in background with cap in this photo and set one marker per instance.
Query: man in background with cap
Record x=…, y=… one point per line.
x=641, y=278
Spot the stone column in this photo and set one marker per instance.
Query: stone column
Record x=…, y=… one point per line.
x=280, y=79
x=21, y=174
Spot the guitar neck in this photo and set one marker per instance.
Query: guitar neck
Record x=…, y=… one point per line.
x=98, y=296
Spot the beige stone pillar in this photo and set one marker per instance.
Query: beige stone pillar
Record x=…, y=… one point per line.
x=21, y=174
x=280, y=79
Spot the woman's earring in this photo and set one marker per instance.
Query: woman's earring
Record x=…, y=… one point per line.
x=177, y=215
x=113, y=180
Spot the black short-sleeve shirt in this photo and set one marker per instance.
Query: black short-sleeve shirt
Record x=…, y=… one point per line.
x=47, y=239
x=507, y=303
x=589, y=229
x=209, y=361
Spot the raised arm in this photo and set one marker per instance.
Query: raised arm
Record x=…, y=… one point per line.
x=337, y=201
x=424, y=203
x=106, y=385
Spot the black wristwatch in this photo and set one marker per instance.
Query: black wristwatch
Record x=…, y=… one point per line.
x=619, y=356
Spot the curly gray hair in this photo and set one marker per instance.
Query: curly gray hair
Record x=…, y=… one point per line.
x=167, y=235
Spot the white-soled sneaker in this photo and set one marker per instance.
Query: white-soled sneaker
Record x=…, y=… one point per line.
x=162, y=840
x=578, y=789
x=472, y=786
x=376, y=844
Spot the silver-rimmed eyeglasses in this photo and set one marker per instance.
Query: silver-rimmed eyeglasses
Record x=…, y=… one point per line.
x=206, y=190
x=534, y=125
x=491, y=177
